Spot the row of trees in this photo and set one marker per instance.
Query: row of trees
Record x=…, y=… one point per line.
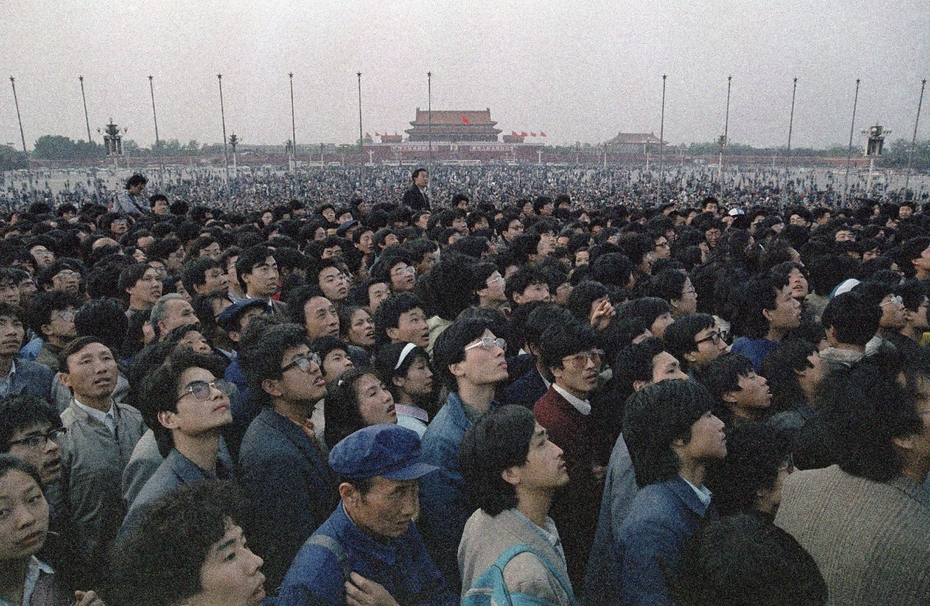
x=57, y=147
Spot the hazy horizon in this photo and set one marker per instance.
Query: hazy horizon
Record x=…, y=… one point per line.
x=576, y=71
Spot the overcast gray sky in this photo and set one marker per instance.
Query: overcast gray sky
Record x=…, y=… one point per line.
x=578, y=70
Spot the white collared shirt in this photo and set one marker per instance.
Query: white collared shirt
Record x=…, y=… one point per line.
x=702, y=492
x=107, y=418
x=582, y=406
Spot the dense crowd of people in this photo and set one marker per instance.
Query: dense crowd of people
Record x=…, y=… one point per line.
x=561, y=400
x=590, y=185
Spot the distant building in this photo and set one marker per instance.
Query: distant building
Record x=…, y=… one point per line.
x=633, y=143
x=453, y=126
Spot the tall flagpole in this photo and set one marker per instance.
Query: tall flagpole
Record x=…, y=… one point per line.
x=22, y=135
x=790, y=128
x=154, y=115
x=86, y=119
x=852, y=127
x=219, y=78
x=910, y=156
x=661, y=148
x=361, y=149
x=293, y=125
x=429, y=128
x=723, y=140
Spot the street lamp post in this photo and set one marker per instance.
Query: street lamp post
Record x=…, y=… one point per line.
x=723, y=139
x=910, y=155
x=661, y=147
x=84, y=100
x=154, y=115
x=852, y=128
x=790, y=128
x=219, y=78
x=22, y=134
x=293, y=126
x=429, y=125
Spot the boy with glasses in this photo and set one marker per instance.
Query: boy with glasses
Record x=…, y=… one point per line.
x=570, y=354
x=187, y=407
x=51, y=316
x=284, y=474
x=695, y=341
x=469, y=359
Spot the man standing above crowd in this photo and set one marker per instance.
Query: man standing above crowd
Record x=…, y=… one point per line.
x=131, y=201
x=416, y=197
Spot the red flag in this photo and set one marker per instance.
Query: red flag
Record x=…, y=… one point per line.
x=542, y=134
x=465, y=120
x=513, y=133
x=368, y=135
x=523, y=134
x=532, y=134
x=377, y=134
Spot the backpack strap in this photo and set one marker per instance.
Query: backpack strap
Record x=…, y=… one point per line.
x=515, y=550
x=335, y=547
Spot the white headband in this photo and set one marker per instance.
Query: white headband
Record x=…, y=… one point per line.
x=404, y=353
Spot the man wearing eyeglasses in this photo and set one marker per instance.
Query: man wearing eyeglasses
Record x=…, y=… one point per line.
x=469, y=359
x=31, y=431
x=187, y=407
x=51, y=315
x=290, y=487
x=570, y=354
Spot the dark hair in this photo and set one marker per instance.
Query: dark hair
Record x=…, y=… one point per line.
x=250, y=258
x=416, y=172
x=864, y=408
x=720, y=377
x=612, y=268
x=559, y=341
x=386, y=360
x=389, y=312
x=341, y=413
x=194, y=272
x=653, y=418
x=781, y=368
x=498, y=441
x=647, y=308
x=44, y=303
x=74, y=347
x=135, y=180
x=160, y=390
x=634, y=363
x=449, y=347
x=21, y=412
x=583, y=296
x=755, y=455
x=297, y=301
x=521, y=280
x=129, y=276
x=104, y=319
x=744, y=559
x=668, y=284
x=853, y=319
x=158, y=562
x=908, y=251
x=756, y=296
x=262, y=350
x=10, y=463
x=679, y=337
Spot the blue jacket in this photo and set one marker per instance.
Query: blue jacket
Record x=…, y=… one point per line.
x=175, y=470
x=526, y=390
x=290, y=490
x=33, y=379
x=662, y=518
x=444, y=505
x=400, y=565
